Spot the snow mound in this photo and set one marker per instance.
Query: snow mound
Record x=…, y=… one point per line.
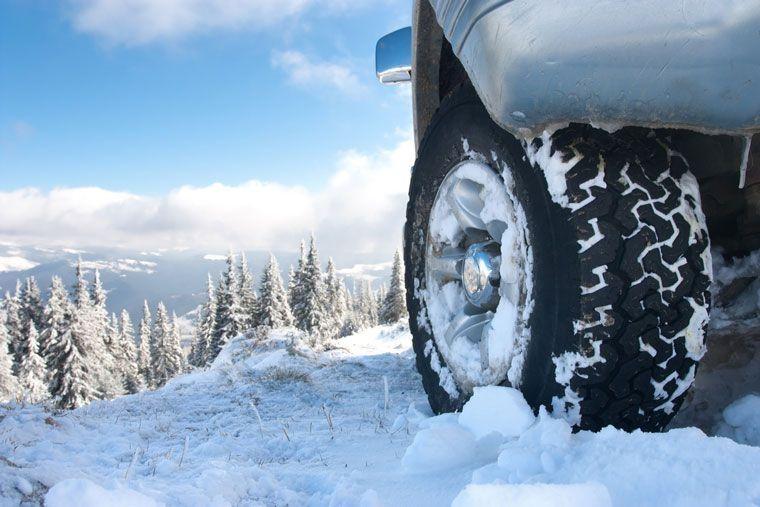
x=85, y=493
x=496, y=409
x=534, y=495
x=541, y=462
x=741, y=421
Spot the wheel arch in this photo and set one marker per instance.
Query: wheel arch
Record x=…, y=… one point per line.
x=715, y=159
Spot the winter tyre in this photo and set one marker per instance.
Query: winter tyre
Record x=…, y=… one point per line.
x=574, y=267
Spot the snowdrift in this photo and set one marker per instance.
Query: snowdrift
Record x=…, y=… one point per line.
x=274, y=422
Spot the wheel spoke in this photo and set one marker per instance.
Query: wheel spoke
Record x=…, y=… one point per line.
x=469, y=325
x=465, y=202
x=447, y=266
x=496, y=229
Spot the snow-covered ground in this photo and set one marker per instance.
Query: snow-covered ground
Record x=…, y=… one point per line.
x=284, y=425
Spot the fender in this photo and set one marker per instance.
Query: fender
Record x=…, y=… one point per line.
x=536, y=65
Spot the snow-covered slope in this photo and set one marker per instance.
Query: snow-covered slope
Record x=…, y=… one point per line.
x=281, y=424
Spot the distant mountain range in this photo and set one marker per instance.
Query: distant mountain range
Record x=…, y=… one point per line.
x=175, y=277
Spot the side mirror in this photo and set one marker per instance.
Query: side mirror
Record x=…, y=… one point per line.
x=393, y=57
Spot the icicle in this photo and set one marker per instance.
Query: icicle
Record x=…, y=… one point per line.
x=745, y=161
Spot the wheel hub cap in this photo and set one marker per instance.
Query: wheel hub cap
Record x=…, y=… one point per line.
x=480, y=275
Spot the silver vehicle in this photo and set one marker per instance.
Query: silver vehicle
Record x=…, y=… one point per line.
x=574, y=162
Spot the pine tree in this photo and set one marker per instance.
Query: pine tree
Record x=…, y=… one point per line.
x=315, y=319
x=351, y=323
x=9, y=386
x=57, y=319
x=31, y=370
x=81, y=293
x=174, y=359
x=30, y=301
x=394, y=304
x=13, y=324
x=296, y=291
x=162, y=331
x=144, y=361
x=291, y=285
x=367, y=306
x=230, y=321
x=113, y=353
x=379, y=298
x=204, y=328
x=72, y=383
x=335, y=299
x=128, y=355
x=273, y=308
x=104, y=342
x=246, y=294
x=74, y=380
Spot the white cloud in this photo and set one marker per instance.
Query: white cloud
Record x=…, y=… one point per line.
x=360, y=210
x=135, y=22
x=366, y=271
x=138, y=22
x=308, y=73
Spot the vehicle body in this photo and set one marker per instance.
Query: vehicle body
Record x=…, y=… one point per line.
x=642, y=75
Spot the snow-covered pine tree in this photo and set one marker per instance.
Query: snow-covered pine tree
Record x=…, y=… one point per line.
x=162, y=331
x=230, y=320
x=13, y=324
x=81, y=292
x=144, y=361
x=246, y=294
x=31, y=369
x=114, y=353
x=358, y=304
x=30, y=300
x=315, y=319
x=57, y=321
x=335, y=299
x=204, y=328
x=380, y=294
x=174, y=360
x=394, y=303
x=291, y=284
x=99, y=316
x=347, y=297
x=72, y=382
x=128, y=355
x=273, y=307
x=9, y=387
x=368, y=305
x=75, y=382
x=104, y=342
x=295, y=289
x=351, y=322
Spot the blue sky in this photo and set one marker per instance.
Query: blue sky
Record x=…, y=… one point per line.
x=141, y=100
x=202, y=124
